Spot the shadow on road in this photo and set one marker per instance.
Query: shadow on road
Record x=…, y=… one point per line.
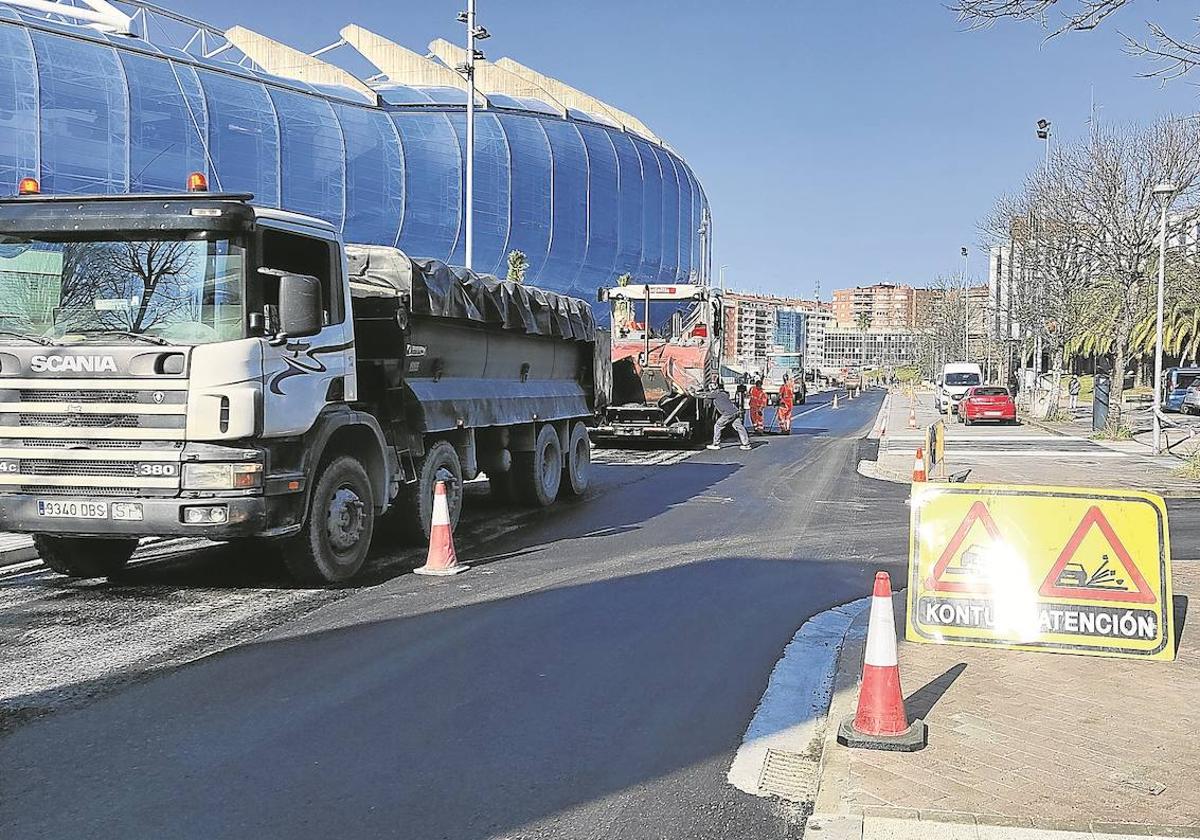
x=547, y=710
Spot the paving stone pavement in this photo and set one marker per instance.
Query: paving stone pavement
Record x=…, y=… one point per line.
x=1049, y=740
x=1024, y=454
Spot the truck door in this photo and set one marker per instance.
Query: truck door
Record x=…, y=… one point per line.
x=303, y=375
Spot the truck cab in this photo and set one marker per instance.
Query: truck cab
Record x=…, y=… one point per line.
x=953, y=383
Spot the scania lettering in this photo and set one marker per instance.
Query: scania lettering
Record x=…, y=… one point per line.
x=192, y=364
x=89, y=364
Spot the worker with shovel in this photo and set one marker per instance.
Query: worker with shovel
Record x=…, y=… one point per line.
x=728, y=414
x=787, y=400
x=758, y=404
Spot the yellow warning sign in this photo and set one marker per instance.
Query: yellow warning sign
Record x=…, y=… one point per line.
x=1041, y=568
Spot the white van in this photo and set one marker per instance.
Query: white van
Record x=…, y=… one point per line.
x=952, y=384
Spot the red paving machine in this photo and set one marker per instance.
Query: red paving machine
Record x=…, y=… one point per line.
x=657, y=375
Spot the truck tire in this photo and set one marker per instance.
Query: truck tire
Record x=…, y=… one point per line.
x=538, y=474
x=83, y=557
x=332, y=546
x=577, y=472
x=413, y=510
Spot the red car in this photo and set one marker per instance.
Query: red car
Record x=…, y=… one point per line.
x=987, y=403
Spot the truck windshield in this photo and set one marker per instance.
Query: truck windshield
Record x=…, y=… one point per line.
x=962, y=379
x=184, y=290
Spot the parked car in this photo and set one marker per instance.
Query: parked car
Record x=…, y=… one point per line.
x=952, y=385
x=1191, y=399
x=987, y=403
x=1176, y=382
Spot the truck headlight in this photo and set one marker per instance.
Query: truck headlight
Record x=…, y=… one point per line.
x=221, y=476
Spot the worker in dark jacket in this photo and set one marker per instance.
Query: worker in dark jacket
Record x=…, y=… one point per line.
x=728, y=414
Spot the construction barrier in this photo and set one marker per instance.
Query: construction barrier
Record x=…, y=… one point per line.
x=935, y=449
x=1067, y=569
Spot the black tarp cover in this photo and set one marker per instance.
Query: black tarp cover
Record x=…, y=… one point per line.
x=434, y=288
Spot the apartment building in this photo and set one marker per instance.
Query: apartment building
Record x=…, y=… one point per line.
x=884, y=306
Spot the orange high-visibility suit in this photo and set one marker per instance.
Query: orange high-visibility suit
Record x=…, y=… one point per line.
x=787, y=399
x=758, y=402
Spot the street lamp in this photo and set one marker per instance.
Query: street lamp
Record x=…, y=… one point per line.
x=1163, y=193
x=467, y=69
x=1043, y=133
x=966, y=311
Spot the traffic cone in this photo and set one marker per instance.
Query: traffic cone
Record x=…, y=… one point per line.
x=880, y=722
x=912, y=417
x=441, y=559
x=835, y=396
x=919, y=466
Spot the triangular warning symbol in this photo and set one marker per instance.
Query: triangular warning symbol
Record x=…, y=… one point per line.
x=1096, y=578
x=964, y=577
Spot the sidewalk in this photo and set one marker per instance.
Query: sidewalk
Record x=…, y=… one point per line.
x=1023, y=744
x=1030, y=453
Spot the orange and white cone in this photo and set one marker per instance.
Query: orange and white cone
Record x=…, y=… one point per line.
x=442, y=559
x=835, y=401
x=880, y=722
x=912, y=417
x=919, y=466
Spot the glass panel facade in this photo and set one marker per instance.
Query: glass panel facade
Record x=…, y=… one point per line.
x=164, y=144
x=243, y=136
x=586, y=202
x=312, y=158
x=84, y=116
x=18, y=108
x=597, y=268
x=652, y=205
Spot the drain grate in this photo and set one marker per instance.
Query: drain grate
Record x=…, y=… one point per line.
x=788, y=775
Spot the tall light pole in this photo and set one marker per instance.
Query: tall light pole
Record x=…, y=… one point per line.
x=467, y=69
x=1043, y=134
x=1164, y=193
x=966, y=311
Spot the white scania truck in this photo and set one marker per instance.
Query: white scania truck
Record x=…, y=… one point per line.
x=194, y=365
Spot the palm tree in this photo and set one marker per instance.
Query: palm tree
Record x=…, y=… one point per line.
x=518, y=264
x=1181, y=332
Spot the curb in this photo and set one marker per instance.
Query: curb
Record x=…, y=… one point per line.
x=17, y=554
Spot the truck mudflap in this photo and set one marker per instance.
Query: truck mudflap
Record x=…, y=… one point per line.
x=454, y=403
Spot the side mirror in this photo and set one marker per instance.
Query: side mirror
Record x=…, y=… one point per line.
x=300, y=305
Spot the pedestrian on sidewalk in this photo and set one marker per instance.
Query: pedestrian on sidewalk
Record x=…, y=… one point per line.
x=787, y=399
x=728, y=414
x=758, y=403
x=1073, y=388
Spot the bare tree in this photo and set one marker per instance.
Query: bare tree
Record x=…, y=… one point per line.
x=1172, y=55
x=1103, y=186
x=1050, y=294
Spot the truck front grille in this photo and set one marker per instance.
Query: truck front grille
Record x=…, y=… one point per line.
x=86, y=421
x=99, y=395
x=49, y=466
x=86, y=491
x=80, y=443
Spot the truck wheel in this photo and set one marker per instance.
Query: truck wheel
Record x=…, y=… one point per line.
x=83, y=557
x=332, y=545
x=578, y=469
x=441, y=464
x=538, y=474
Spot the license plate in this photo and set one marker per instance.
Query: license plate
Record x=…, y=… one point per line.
x=72, y=510
x=994, y=413
x=628, y=432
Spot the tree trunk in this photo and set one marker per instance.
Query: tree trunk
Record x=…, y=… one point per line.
x=1120, y=361
x=1054, y=394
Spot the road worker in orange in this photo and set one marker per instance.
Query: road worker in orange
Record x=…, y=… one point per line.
x=758, y=402
x=787, y=399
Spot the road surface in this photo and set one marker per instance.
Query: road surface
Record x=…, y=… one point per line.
x=591, y=676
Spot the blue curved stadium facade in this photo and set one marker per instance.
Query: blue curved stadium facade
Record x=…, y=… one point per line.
x=585, y=201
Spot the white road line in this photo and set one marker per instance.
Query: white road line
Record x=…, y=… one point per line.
x=791, y=715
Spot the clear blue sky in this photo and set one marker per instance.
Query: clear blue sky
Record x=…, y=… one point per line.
x=845, y=142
